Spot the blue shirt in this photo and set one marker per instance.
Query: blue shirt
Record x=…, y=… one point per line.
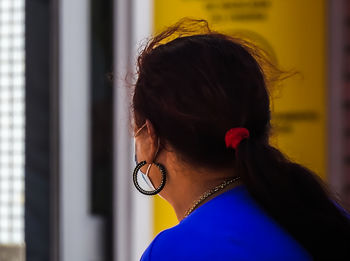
x=230, y=226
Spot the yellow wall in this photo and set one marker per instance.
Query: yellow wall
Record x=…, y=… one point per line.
x=294, y=32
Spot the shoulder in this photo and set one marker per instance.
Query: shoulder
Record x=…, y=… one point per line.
x=184, y=242
x=170, y=244
x=147, y=255
x=229, y=227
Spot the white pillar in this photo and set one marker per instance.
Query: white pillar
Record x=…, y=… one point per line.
x=81, y=236
x=122, y=187
x=133, y=211
x=143, y=205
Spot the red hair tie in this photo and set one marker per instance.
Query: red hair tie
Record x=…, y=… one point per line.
x=234, y=136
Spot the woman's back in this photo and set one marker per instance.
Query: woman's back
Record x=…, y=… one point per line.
x=231, y=226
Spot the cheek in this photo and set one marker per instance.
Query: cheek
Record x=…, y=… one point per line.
x=140, y=154
x=155, y=176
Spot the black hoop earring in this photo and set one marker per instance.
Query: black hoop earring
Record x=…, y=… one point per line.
x=162, y=183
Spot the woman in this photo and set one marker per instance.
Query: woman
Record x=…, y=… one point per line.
x=202, y=123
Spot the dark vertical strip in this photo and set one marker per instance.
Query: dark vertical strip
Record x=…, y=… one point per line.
x=54, y=133
x=346, y=109
x=102, y=115
x=37, y=133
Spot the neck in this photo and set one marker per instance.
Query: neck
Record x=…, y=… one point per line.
x=186, y=185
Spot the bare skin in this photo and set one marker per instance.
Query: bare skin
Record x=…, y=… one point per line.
x=185, y=183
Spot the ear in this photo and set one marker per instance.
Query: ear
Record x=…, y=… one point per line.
x=152, y=136
x=150, y=129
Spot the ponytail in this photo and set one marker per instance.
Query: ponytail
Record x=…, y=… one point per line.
x=296, y=198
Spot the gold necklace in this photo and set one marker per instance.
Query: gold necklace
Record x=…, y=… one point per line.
x=209, y=193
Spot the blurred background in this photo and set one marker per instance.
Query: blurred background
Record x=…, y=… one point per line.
x=66, y=150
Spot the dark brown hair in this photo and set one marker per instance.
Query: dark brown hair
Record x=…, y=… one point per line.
x=194, y=84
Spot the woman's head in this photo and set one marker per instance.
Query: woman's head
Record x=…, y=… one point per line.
x=192, y=87
x=196, y=87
